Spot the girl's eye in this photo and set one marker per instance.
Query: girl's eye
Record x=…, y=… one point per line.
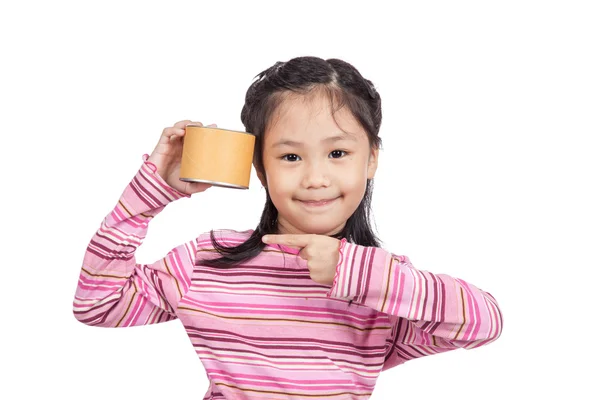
x=338, y=152
x=289, y=157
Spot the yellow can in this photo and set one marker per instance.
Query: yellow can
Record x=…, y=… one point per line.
x=220, y=157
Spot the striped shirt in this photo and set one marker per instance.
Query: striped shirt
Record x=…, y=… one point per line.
x=264, y=329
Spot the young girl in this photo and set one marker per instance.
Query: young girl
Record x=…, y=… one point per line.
x=307, y=305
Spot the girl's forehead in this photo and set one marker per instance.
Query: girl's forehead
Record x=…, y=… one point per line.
x=297, y=119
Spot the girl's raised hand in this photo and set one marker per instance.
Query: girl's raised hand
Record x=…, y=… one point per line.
x=167, y=158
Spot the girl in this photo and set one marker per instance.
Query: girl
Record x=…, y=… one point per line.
x=307, y=305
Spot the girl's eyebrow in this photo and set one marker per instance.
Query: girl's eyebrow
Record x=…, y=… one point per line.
x=331, y=139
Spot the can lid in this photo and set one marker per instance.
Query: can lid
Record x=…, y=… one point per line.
x=222, y=129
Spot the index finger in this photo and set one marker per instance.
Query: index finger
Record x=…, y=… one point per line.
x=182, y=124
x=288, y=239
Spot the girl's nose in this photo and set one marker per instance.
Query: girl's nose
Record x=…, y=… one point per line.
x=316, y=175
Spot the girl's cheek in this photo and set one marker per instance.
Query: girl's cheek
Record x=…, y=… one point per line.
x=283, y=183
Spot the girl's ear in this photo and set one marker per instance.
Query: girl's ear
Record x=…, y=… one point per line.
x=372, y=166
x=261, y=178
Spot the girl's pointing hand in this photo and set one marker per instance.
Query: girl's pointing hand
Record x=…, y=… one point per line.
x=321, y=252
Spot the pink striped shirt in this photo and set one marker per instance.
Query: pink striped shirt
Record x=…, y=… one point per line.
x=265, y=329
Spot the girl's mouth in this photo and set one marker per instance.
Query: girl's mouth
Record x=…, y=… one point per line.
x=318, y=203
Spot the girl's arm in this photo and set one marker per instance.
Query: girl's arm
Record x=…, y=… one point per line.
x=430, y=313
x=114, y=291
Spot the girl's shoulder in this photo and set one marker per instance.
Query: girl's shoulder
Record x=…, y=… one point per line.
x=227, y=237
x=205, y=248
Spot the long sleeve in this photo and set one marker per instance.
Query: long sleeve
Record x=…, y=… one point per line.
x=114, y=291
x=430, y=313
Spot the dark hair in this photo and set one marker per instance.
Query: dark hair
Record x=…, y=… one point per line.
x=305, y=76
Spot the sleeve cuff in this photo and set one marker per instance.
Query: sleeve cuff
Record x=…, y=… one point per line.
x=151, y=169
x=337, y=286
x=146, y=194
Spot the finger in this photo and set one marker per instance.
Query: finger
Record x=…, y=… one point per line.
x=178, y=130
x=196, y=187
x=288, y=239
x=182, y=124
x=172, y=133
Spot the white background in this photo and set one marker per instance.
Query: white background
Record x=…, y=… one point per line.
x=489, y=172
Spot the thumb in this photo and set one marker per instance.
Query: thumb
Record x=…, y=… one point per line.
x=196, y=187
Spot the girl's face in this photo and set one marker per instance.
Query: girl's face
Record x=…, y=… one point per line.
x=307, y=157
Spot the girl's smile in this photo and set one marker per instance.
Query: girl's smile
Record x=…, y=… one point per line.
x=318, y=204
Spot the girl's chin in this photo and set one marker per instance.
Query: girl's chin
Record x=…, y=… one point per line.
x=318, y=230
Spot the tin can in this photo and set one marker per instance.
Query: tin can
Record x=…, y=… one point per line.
x=220, y=157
